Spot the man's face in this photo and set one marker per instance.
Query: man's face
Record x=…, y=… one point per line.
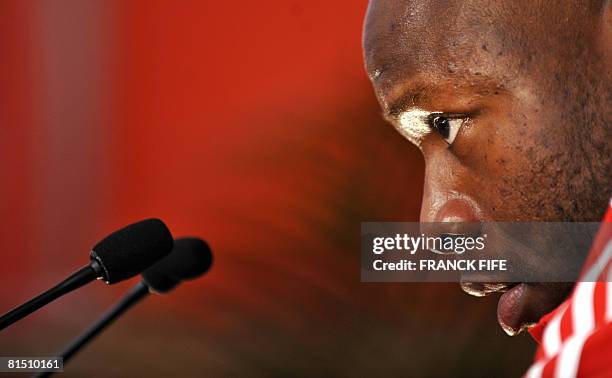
x=508, y=102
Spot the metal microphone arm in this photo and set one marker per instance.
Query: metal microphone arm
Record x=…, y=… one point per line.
x=135, y=295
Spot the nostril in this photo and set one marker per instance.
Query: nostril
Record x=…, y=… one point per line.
x=458, y=229
x=455, y=219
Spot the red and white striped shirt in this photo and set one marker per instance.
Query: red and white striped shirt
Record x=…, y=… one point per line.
x=576, y=338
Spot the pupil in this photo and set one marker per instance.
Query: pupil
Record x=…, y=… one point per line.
x=442, y=125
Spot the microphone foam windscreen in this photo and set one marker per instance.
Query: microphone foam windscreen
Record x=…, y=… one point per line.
x=189, y=259
x=132, y=249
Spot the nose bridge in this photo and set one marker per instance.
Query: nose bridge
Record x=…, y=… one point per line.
x=432, y=194
x=446, y=197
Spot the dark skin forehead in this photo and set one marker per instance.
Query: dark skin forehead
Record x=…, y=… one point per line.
x=480, y=46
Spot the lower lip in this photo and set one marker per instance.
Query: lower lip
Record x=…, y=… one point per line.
x=510, y=309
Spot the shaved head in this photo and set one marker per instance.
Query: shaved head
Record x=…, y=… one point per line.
x=509, y=102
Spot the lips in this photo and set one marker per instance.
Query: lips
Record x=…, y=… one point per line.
x=521, y=305
x=481, y=289
x=512, y=311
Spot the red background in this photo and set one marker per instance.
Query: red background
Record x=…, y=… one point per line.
x=252, y=125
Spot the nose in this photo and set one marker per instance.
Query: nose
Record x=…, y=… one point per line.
x=448, y=191
x=453, y=218
x=448, y=210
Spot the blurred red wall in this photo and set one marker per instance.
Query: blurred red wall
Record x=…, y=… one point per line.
x=251, y=125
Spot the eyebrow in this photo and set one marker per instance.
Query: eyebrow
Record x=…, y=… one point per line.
x=419, y=94
x=411, y=97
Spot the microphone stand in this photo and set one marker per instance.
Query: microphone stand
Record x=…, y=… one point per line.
x=82, y=277
x=135, y=295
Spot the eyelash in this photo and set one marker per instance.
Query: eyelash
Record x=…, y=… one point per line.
x=443, y=124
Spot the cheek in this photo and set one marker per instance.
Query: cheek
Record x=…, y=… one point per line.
x=491, y=143
x=513, y=168
x=508, y=165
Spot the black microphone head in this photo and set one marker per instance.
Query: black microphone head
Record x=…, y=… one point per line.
x=132, y=249
x=189, y=259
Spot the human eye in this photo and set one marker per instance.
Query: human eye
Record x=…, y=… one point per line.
x=447, y=125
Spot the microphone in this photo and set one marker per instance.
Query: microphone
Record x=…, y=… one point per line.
x=189, y=259
x=121, y=255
